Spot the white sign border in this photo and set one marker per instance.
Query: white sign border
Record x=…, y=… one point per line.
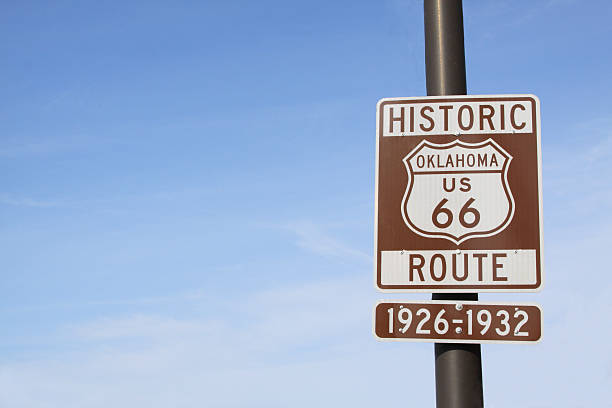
x=541, y=214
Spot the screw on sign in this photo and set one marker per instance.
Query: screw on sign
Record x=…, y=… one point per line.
x=458, y=200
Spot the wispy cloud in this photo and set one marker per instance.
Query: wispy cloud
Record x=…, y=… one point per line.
x=293, y=346
x=28, y=202
x=574, y=173
x=314, y=238
x=112, y=202
x=266, y=349
x=138, y=326
x=504, y=12
x=27, y=146
x=190, y=296
x=600, y=151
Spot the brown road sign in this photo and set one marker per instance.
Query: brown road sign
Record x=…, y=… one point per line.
x=458, y=194
x=458, y=322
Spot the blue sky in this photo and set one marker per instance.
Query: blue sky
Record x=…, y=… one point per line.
x=187, y=201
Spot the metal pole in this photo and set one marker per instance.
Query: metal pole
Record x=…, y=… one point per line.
x=458, y=366
x=444, y=50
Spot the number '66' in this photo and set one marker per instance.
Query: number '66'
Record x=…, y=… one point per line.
x=443, y=217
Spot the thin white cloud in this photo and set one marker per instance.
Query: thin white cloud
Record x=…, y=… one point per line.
x=292, y=338
x=137, y=326
x=17, y=146
x=126, y=202
x=574, y=173
x=28, y=202
x=599, y=151
x=299, y=346
x=314, y=238
x=503, y=13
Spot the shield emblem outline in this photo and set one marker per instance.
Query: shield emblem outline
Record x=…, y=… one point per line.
x=445, y=235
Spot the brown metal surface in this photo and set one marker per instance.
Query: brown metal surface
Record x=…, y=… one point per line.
x=523, y=232
x=506, y=323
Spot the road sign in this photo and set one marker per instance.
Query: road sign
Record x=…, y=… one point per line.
x=458, y=322
x=458, y=194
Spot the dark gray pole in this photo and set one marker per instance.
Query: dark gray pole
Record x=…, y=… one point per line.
x=444, y=50
x=458, y=366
